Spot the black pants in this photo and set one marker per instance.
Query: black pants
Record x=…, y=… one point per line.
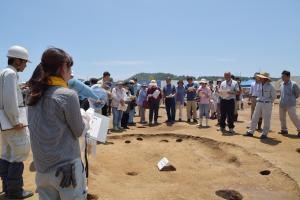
x=12, y=179
x=105, y=110
x=153, y=109
x=227, y=111
x=124, y=121
x=171, y=109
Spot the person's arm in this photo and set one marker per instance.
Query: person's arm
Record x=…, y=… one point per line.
x=73, y=115
x=296, y=90
x=10, y=98
x=273, y=93
x=83, y=90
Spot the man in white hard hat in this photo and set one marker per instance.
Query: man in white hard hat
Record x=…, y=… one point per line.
x=265, y=99
x=15, y=145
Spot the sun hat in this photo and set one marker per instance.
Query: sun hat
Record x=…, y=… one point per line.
x=264, y=75
x=203, y=80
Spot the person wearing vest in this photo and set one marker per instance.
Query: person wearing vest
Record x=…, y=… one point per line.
x=15, y=144
x=263, y=107
x=289, y=92
x=169, y=93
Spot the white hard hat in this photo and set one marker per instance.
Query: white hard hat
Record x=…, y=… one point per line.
x=18, y=52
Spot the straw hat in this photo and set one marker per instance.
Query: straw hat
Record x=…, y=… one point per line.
x=264, y=75
x=203, y=80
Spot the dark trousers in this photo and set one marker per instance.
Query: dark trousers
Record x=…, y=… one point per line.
x=171, y=108
x=124, y=121
x=105, y=110
x=11, y=175
x=227, y=111
x=153, y=109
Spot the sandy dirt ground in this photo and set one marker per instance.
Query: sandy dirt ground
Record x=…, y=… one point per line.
x=205, y=160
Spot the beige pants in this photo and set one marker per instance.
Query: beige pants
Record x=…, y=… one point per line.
x=15, y=145
x=264, y=110
x=179, y=106
x=292, y=111
x=48, y=185
x=191, y=106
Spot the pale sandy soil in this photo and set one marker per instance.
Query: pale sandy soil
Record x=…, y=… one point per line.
x=205, y=161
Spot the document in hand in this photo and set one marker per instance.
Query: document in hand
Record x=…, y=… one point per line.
x=122, y=107
x=5, y=123
x=156, y=94
x=224, y=93
x=98, y=127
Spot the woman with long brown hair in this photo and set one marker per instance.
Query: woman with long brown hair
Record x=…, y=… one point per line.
x=55, y=125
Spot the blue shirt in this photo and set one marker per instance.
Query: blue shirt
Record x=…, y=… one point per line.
x=288, y=94
x=82, y=90
x=180, y=94
x=190, y=95
x=142, y=96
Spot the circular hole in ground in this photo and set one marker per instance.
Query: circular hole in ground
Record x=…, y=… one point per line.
x=179, y=140
x=139, y=139
x=91, y=196
x=141, y=126
x=164, y=141
x=127, y=141
x=229, y=194
x=132, y=173
x=298, y=150
x=265, y=172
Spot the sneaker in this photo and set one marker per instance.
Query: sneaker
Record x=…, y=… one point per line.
x=25, y=194
x=180, y=120
x=150, y=123
x=283, y=132
x=131, y=124
x=155, y=123
x=248, y=134
x=263, y=137
x=195, y=121
x=188, y=121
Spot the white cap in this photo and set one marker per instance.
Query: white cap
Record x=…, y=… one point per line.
x=18, y=52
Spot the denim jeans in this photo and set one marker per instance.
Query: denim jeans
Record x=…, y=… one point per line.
x=131, y=115
x=203, y=110
x=170, y=108
x=117, y=117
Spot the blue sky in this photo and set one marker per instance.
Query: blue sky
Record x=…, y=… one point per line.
x=184, y=37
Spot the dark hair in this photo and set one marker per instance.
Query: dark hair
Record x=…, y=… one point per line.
x=93, y=81
x=10, y=61
x=287, y=73
x=106, y=74
x=51, y=62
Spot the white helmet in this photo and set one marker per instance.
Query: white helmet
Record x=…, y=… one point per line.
x=18, y=52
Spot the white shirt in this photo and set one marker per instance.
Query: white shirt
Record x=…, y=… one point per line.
x=229, y=86
x=255, y=89
x=10, y=94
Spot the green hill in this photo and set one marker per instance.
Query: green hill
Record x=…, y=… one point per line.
x=163, y=76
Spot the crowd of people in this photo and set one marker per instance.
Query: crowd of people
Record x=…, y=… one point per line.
x=57, y=102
